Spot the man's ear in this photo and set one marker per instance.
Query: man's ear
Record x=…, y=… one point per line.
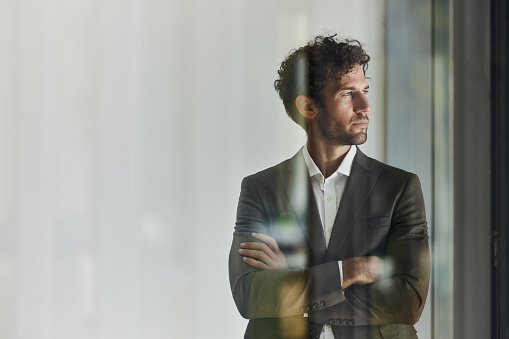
x=306, y=106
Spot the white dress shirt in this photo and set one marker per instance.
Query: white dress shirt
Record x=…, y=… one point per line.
x=328, y=193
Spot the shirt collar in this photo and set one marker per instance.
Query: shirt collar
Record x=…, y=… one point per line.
x=344, y=168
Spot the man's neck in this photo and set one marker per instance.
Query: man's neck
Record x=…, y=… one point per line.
x=327, y=157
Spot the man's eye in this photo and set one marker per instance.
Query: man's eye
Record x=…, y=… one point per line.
x=365, y=92
x=347, y=93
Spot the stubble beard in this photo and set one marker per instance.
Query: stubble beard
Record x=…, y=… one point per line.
x=335, y=133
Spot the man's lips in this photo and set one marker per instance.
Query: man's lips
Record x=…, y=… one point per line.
x=362, y=123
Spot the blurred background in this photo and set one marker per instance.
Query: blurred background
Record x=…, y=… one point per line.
x=126, y=128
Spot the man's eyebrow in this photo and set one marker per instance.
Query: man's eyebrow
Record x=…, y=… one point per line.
x=352, y=88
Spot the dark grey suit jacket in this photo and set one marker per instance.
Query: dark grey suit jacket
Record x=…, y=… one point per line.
x=381, y=213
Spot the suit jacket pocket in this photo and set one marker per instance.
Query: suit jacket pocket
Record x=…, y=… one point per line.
x=377, y=222
x=376, y=232
x=366, y=237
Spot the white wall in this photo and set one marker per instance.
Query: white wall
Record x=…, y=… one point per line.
x=125, y=130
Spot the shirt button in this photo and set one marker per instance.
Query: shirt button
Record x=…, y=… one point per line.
x=328, y=327
x=329, y=229
x=329, y=199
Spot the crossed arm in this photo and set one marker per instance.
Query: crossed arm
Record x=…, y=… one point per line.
x=266, y=255
x=372, y=291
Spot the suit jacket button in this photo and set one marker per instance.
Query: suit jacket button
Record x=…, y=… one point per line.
x=315, y=307
x=323, y=303
x=341, y=321
x=309, y=308
x=315, y=334
x=353, y=322
x=332, y=321
x=303, y=309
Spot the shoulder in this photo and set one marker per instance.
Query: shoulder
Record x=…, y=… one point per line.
x=370, y=163
x=387, y=172
x=266, y=173
x=273, y=173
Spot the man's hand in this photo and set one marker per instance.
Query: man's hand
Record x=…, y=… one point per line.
x=362, y=270
x=264, y=255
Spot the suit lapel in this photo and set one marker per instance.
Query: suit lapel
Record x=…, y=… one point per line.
x=360, y=183
x=296, y=183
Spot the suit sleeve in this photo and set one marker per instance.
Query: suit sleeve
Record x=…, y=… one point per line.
x=400, y=297
x=275, y=293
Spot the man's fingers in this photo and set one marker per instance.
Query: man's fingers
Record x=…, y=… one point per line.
x=259, y=246
x=260, y=255
x=266, y=252
x=255, y=263
x=269, y=240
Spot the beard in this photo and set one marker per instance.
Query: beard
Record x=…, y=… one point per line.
x=335, y=132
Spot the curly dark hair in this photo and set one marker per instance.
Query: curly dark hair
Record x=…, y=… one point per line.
x=305, y=71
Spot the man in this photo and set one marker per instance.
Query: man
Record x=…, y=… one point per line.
x=330, y=243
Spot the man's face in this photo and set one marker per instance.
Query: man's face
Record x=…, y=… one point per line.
x=344, y=115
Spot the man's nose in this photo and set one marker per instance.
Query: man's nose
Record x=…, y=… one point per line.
x=362, y=104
